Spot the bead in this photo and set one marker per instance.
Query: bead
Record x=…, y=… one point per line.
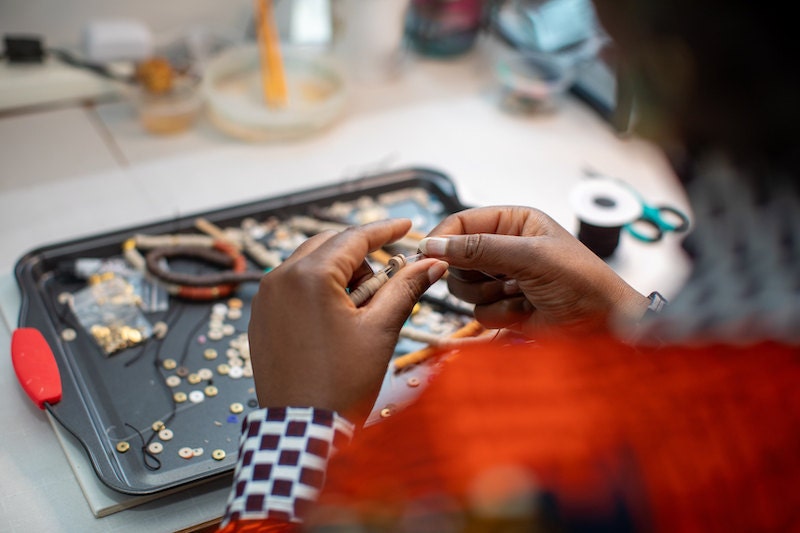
x=160, y=329
x=186, y=453
x=69, y=334
x=196, y=396
x=64, y=298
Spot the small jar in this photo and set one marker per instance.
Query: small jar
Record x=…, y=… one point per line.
x=171, y=111
x=443, y=28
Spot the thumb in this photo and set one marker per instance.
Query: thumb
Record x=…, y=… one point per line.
x=395, y=300
x=500, y=254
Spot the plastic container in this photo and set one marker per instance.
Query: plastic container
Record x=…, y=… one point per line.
x=235, y=103
x=171, y=112
x=527, y=85
x=443, y=28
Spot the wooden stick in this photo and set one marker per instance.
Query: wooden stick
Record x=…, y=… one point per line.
x=209, y=228
x=381, y=256
x=272, y=75
x=470, y=330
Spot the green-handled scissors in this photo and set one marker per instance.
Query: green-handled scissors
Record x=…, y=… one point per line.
x=657, y=220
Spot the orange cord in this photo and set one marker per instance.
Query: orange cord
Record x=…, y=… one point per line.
x=472, y=329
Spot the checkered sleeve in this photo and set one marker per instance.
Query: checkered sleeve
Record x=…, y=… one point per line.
x=283, y=454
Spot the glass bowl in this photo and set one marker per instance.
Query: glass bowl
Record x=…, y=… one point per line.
x=235, y=103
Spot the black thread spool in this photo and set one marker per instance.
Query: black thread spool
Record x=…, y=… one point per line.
x=603, y=207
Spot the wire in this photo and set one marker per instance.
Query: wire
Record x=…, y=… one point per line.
x=69, y=59
x=189, y=338
x=170, y=320
x=145, y=452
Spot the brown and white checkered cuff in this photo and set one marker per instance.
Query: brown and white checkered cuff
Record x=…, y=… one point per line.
x=283, y=454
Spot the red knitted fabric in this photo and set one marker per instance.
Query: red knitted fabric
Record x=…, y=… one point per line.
x=673, y=439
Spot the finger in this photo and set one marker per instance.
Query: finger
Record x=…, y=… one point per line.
x=362, y=274
x=394, y=302
x=309, y=246
x=505, y=220
x=504, y=313
x=505, y=255
x=469, y=276
x=344, y=253
x=476, y=292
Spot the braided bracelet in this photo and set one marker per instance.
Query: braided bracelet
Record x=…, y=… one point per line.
x=192, y=286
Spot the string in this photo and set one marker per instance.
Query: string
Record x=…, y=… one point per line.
x=145, y=452
x=170, y=320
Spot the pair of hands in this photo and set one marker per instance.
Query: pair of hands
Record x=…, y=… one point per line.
x=310, y=346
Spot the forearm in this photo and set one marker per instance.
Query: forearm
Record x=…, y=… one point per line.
x=283, y=455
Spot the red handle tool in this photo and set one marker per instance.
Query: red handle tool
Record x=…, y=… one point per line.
x=35, y=366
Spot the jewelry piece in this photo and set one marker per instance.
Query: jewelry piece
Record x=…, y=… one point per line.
x=364, y=292
x=190, y=286
x=186, y=453
x=218, y=455
x=473, y=329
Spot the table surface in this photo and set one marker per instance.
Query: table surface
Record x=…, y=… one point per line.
x=80, y=170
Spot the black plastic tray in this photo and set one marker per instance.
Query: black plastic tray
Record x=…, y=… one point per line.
x=102, y=394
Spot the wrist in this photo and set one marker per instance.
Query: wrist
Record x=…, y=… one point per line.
x=642, y=308
x=631, y=308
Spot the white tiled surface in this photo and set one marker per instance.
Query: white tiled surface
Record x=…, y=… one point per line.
x=90, y=174
x=48, y=147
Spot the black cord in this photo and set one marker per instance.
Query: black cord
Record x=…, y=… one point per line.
x=169, y=320
x=64, y=316
x=58, y=419
x=145, y=452
x=189, y=338
x=69, y=59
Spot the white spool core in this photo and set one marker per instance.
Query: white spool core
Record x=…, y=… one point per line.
x=604, y=203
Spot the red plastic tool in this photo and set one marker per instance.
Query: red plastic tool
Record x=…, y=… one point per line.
x=35, y=366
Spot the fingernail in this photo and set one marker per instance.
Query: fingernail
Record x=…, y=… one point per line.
x=436, y=271
x=511, y=286
x=433, y=246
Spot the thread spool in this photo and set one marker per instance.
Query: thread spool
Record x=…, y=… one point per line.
x=603, y=207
